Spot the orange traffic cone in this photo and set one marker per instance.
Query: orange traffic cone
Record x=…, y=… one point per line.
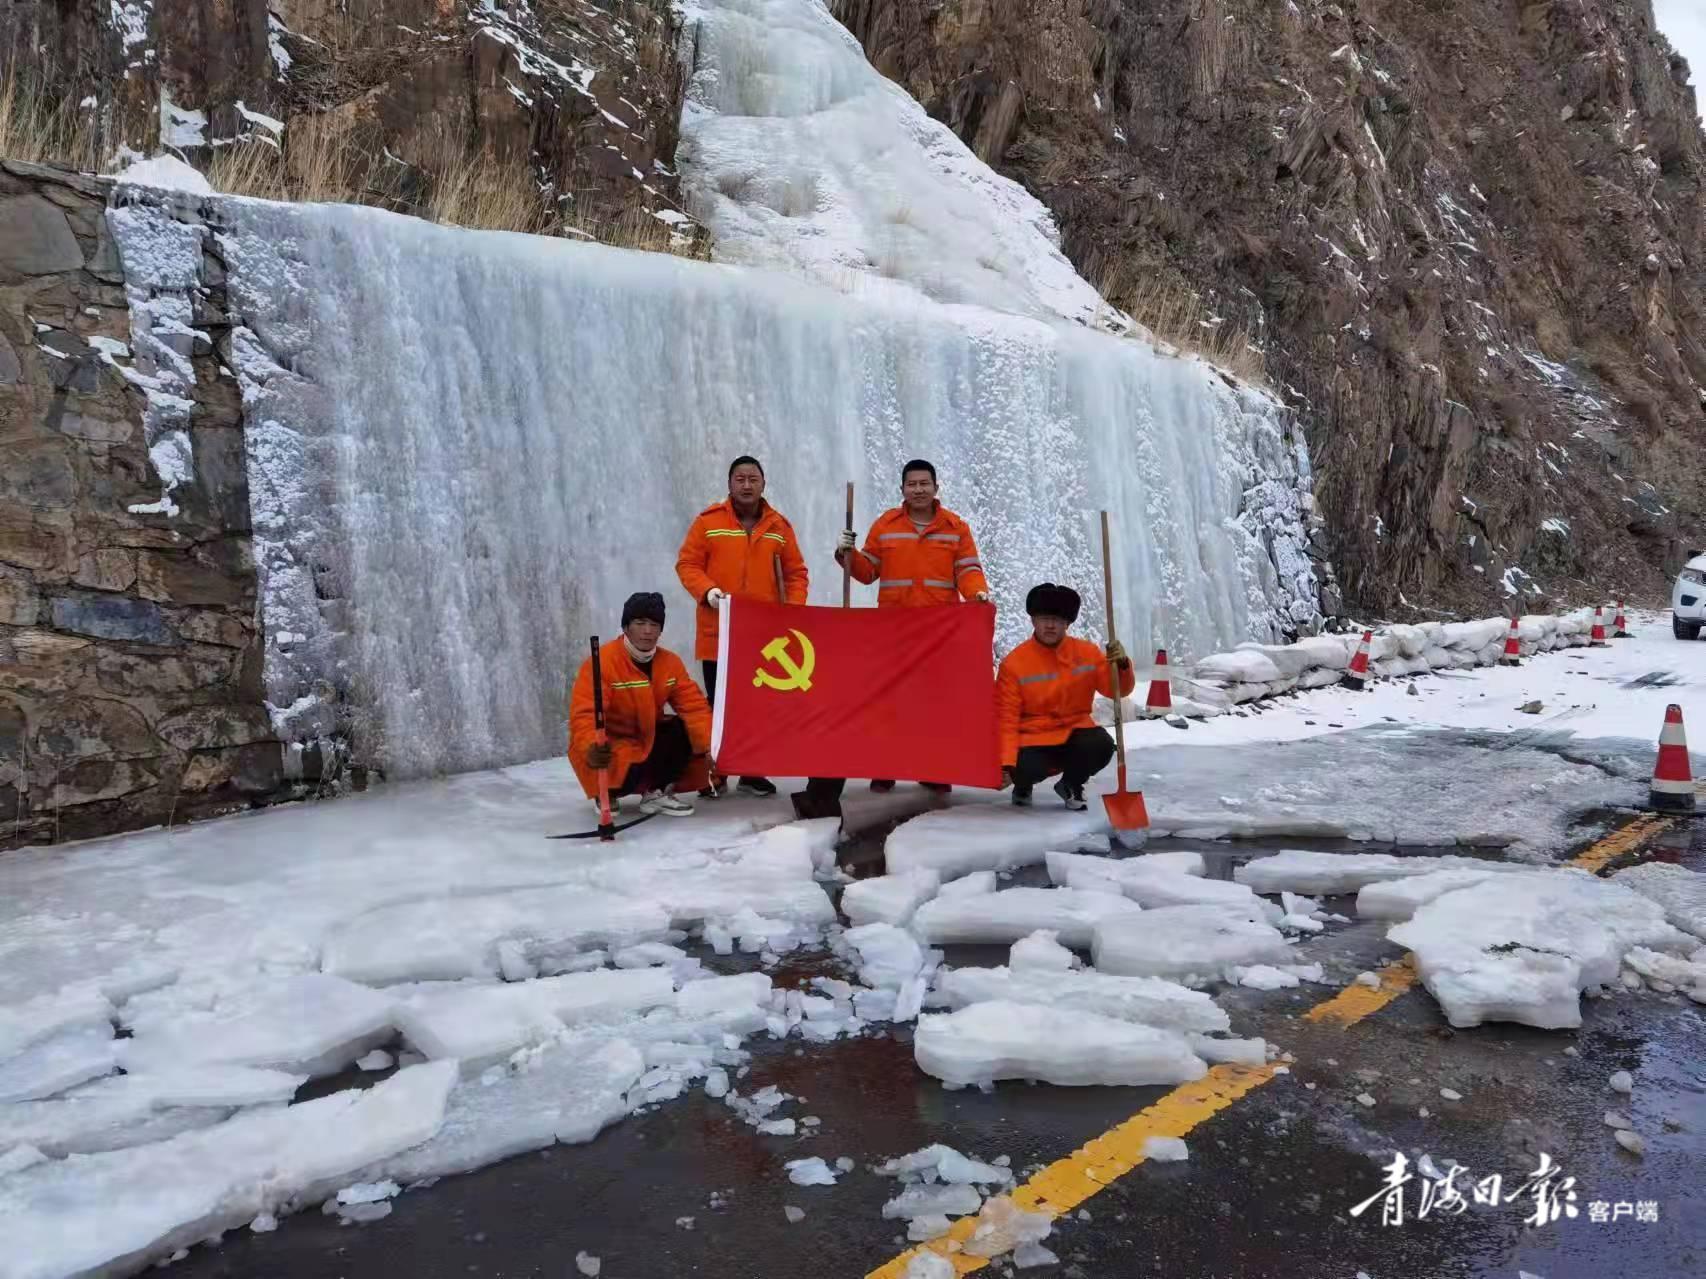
x=1160, y=701
x=1356, y=677
x=1673, y=780
x=1512, y=655
x=1619, y=627
x=1596, y=637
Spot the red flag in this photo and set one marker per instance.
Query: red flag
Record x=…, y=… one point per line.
x=907, y=693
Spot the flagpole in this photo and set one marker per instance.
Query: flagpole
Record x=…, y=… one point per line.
x=847, y=560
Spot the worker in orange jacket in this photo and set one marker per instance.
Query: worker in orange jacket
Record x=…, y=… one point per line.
x=917, y=553
x=657, y=724
x=1043, y=694
x=744, y=547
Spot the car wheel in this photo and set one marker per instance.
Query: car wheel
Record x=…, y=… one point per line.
x=1684, y=630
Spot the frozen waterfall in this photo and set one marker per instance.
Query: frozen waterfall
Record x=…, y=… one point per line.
x=466, y=448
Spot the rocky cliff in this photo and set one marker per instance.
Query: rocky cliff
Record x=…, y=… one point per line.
x=1467, y=238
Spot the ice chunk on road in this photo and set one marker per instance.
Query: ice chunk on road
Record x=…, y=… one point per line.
x=588, y=1264
x=1041, y=951
x=958, y=841
x=1243, y=1052
x=980, y=881
x=922, y=1229
x=1077, y=870
x=117, y=1211
x=62, y=1060
x=959, y=1199
x=482, y=1023
x=1261, y=977
x=36, y=1019
x=715, y=996
x=1168, y=888
x=1333, y=874
x=1003, y=1226
x=130, y=1110
x=1398, y=899
x=1688, y=977
x=565, y=1092
x=1522, y=947
x=310, y=1024
x=944, y=1163
x=770, y=873
x=1002, y=1040
x=1149, y=1000
x=888, y=899
x=1028, y=1255
x=1189, y=943
x=1072, y=913
x=929, y=1265
x=448, y=938
x=1680, y=891
x=888, y=956
x=810, y=1172
x=1165, y=1149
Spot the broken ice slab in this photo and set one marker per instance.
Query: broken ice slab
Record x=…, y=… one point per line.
x=35, y=1019
x=958, y=841
x=1334, y=874
x=1680, y=891
x=448, y=938
x=889, y=957
x=958, y=1199
x=565, y=1092
x=1157, y=879
x=1002, y=1040
x=736, y=1004
x=1522, y=947
x=1398, y=899
x=1004, y=917
x=979, y=881
x=115, y=1212
x=888, y=899
x=1041, y=951
x=130, y=1110
x=479, y=1024
x=944, y=1163
x=60, y=1061
x=1149, y=1000
x=1192, y=944
x=1686, y=976
x=310, y=1024
x=770, y=873
x=1063, y=867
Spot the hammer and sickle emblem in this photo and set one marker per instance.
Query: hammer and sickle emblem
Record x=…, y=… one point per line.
x=795, y=675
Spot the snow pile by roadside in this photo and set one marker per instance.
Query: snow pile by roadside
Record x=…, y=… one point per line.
x=1254, y=671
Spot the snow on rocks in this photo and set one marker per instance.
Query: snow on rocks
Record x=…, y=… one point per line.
x=1073, y=914
x=448, y=938
x=1522, y=947
x=997, y=1040
x=1190, y=944
x=478, y=1024
x=888, y=899
x=958, y=841
x=98, y=1212
x=311, y=1024
x=1041, y=951
x=1147, y=1000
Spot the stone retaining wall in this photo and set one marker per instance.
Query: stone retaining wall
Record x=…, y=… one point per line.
x=130, y=655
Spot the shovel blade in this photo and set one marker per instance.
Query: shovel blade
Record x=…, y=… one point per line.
x=1126, y=810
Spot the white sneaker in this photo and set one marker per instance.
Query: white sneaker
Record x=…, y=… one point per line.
x=664, y=802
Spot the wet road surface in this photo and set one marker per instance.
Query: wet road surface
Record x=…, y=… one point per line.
x=1265, y=1194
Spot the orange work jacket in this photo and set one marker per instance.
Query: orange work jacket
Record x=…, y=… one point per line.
x=1042, y=694
x=937, y=566
x=718, y=552
x=633, y=704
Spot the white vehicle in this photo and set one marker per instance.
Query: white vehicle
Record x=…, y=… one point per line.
x=1688, y=599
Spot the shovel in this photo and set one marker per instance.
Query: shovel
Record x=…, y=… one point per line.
x=1126, y=811
x=607, y=828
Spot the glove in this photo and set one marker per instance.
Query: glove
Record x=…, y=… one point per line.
x=1007, y=779
x=714, y=597
x=983, y=597
x=846, y=541
x=599, y=755
x=1116, y=653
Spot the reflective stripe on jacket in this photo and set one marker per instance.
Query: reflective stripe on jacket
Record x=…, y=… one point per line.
x=633, y=704
x=938, y=566
x=1042, y=694
x=718, y=552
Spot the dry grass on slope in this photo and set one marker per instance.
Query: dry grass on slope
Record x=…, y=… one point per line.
x=1178, y=317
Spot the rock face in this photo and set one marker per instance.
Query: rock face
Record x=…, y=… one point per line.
x=129, y=657
x=555, y=112
x=1469, y=237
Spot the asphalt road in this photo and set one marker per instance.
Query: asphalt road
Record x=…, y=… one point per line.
x=1265, y=1194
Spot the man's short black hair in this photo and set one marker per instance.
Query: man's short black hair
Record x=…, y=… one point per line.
x=745, y=459
x=917, y=464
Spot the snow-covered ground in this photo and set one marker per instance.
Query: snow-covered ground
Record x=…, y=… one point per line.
x=163, y=994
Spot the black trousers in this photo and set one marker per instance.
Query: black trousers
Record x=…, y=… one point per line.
x=670, y=754
x=1084, y=753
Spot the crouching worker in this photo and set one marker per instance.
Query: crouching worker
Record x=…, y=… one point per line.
x=657, y=723
x=1043, y=696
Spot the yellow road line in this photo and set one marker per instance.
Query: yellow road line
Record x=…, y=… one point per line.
x=1068, y=1182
